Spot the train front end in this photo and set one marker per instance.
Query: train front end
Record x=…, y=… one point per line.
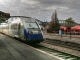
x=32, y=31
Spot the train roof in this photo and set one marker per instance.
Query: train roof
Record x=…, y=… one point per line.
x=27, y=17
x=21, y=16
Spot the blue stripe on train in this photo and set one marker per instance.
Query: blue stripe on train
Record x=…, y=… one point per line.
x=35, y=37
x=32, y=36
x=26, y=33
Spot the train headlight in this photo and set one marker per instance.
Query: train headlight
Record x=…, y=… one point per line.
x=39, y=32
x=30, y=32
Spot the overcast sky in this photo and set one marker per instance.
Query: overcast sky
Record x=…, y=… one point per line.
x=42, y=9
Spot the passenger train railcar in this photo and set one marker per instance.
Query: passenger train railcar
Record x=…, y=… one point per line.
x=25, y=28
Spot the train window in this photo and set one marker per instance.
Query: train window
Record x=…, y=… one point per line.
x=32, y=25
x=4, y=25
x=22, y=27
x=28, y=19
x=14, y=26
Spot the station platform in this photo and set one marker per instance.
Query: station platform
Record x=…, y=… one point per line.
x=11, y=49
x=72, y=38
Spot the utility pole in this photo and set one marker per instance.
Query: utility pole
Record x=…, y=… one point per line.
x=70, y=30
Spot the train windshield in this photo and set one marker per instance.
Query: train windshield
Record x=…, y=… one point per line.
x=32, y=25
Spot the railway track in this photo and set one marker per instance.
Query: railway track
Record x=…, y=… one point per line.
x=59, y=54
x=65, y=44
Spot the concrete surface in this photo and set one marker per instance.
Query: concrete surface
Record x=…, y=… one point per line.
x=11, y=49
x=74, y=38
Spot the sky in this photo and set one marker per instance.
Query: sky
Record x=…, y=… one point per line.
x=42, y=9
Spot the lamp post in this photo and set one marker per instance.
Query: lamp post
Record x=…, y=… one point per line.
x=70, y=30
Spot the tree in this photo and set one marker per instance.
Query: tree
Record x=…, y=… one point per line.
x=70, y=22
x=54, y=23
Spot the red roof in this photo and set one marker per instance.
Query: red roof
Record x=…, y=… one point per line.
x=62, y=27
x=77, y=27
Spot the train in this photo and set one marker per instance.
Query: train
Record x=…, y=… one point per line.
x=24, y=28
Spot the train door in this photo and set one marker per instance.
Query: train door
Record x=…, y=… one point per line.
x=21, y=31
x=19, y=28
x=14, y=30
